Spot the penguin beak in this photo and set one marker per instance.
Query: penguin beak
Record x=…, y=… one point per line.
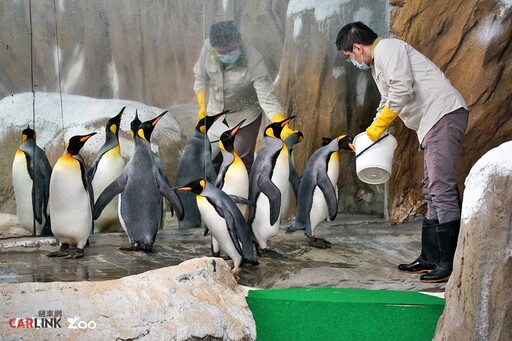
x=285, y=122
x=86, y=137
x=158, y=118
x=184, y=188
x=237, y=128
x=351, y=145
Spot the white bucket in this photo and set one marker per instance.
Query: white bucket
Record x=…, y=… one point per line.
x=374, y=165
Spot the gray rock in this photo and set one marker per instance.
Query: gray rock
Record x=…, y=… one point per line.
x=478, y=294
x=198, y=299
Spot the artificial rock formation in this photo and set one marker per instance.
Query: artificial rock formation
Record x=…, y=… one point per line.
x=196, y=300
x=479, y=292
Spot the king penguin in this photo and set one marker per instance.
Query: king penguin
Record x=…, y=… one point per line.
x=269, y=177
x=225, y=222
x=317, y=196
x=107, y=166
x=294, y=179
x=140, y=187
x=233, y=177
x=71, y=199
x=31, y=174
x=196, y=162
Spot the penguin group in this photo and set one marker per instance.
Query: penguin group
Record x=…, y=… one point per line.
x=241, y=211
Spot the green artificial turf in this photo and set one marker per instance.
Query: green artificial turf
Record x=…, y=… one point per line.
x=343, y=314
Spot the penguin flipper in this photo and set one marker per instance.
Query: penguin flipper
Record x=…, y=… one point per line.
x=327, y=188
x=273, y=194
x=294, y=180
x=230, y=223
x=108, y=194
x=240, y=200
x=172, y=197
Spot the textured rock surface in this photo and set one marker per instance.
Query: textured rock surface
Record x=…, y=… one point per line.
x=199, y=299
x=479, y=292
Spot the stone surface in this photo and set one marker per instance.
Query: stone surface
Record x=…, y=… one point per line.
x=479, y=292
x=199, y=299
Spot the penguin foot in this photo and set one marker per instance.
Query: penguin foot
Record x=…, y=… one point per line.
x=63, y=252
x=236, y=272
x=131, y=247
x=268, y=253
x=319, y=243
x=78, y=254
x=291, y=229
x=146, y=247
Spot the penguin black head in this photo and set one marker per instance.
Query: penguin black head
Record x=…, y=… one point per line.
x=145, y=129
x=77, y=142
x=345, y=142
x=28, y=133
x=205, y=123
x=274, y=129
x=197, y=186
x=227, y=139
x=114, y=123
x=326, y=141
x=134, y=125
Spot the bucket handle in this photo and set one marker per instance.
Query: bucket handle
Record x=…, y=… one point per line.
x=373, y=144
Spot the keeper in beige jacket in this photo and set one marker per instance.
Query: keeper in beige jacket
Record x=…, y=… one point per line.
x=238, y=81
x=413, y=88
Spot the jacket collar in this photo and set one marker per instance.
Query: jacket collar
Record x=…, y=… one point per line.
x=242, y=61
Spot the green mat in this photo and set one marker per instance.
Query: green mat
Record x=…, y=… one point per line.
x=343, y=314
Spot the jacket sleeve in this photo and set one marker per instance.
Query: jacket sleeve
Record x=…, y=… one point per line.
x=264, y=87
x=199, y=69
x=395, y=64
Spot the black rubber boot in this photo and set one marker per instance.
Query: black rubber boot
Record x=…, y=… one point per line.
x=429, y=256
x=447, y=234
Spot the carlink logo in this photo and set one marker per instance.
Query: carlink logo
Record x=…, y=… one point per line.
x=50, y=319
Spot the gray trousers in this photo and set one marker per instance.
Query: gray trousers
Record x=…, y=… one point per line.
x=441, y=149
x=245, y=144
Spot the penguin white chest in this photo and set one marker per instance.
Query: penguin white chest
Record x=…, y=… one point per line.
x=218, y=228
x=22, y=185
x=69, y=203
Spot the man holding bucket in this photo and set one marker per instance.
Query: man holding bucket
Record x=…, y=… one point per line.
x=413, y=88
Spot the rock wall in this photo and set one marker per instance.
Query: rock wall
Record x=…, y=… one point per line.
x=196, y=300
x=479, y=292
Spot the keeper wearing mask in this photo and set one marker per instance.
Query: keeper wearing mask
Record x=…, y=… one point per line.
x=239, y=82
x=414, y=89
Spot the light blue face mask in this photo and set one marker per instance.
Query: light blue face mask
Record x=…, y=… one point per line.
x=360, y=66
x=231, y=57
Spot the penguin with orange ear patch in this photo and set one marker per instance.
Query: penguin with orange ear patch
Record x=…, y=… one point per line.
x=71, y=200
x=317, y=197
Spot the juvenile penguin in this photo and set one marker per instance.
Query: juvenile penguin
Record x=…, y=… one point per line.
x=107, y=166
x=317, y=196
x=31, y=174
x=140, y=187
x=269, y=177
x=225, y=222
x=196, y=162
x=71, y=199
x=233, y=177
x=294, y=179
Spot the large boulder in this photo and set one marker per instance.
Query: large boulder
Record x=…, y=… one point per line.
x=479, y=292
x=196, y=300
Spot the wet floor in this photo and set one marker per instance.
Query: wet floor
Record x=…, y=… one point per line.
x=364, y=254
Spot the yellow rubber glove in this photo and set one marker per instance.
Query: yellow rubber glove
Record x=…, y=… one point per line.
x=286, y=129
x=375, y=130
x=201, y=100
